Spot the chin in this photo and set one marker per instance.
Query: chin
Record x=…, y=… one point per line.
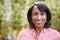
x=39, y=26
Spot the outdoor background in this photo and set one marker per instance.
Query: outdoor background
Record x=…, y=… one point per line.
x=13, y=17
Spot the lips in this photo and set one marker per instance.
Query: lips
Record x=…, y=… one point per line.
x=38, y=23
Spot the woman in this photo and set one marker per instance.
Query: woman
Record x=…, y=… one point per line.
x=39, y=17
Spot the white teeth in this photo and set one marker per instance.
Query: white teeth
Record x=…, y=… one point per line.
x=39, y=22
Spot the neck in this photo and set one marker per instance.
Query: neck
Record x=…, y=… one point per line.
x=38, y=30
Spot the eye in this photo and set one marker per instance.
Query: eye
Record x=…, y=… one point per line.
x=35, y=14
x=42, y=13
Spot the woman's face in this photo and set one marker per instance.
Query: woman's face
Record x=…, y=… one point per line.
x=38, y=17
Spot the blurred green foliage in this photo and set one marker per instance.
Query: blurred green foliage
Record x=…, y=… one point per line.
x=19, y=10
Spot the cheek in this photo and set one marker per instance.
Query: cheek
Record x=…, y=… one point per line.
x=33, y=19
x=44, y=18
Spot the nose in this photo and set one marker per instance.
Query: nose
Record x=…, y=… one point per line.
x=39, y=17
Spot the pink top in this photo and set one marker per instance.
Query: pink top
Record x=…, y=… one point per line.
x=45, y=34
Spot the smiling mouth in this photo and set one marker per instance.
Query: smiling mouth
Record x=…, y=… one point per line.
x=38, y=22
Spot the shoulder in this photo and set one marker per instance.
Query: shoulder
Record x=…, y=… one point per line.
x=23, y=31
x=56, y=34
x=54, y=31
x=22, y=34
